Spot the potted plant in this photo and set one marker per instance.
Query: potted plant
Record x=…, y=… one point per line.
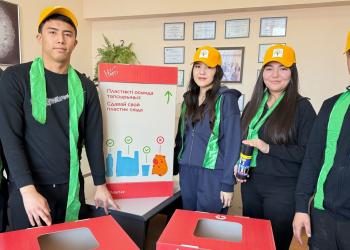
x=111, y=53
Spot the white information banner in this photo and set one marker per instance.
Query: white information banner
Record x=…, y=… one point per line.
x=138, y=104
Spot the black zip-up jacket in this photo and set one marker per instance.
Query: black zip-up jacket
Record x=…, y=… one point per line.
x=284, y=160
x=39, y=154
x=337, y=185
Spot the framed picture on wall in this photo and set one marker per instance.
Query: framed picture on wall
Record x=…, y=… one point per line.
x=204, y=30
x=237, y=28
x=174, y=31
x=180, y=78
x=273, y=26
x=232, y=64
x=262, y=50
x=174, y=55
x=9, y=34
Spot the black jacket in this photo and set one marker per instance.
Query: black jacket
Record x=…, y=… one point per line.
x=284, y=160
x=337, y=185
x=39, y=154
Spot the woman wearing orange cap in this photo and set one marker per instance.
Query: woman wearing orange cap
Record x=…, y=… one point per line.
x=208, y=138
x=275, y=124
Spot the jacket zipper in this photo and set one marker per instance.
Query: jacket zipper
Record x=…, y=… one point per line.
x=192, y=134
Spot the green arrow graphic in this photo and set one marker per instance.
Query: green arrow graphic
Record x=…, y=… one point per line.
x=168, y=94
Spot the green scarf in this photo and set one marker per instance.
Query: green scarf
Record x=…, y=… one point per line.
x=76, y=105
x=335, y=123
x=212, y=150
x=256, y=123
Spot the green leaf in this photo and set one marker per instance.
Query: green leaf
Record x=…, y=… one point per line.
x=111, y=53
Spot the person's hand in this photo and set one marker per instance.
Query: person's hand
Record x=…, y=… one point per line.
x=36, y=206
x=226, y=198
x=301, y=220
x=259, y=144
x=235, y=174
x=104, y=197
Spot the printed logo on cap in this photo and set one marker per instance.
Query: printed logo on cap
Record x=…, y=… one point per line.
x=277, y=53
x=204, y=53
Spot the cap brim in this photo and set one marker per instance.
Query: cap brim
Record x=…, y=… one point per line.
x=206, y=63
x=288, y=65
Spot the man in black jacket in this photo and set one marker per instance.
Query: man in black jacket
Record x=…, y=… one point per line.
x=325, y=173
x=48, y=111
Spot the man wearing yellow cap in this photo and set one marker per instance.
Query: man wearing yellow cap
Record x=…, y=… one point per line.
x=325, y=173
x=48, y=111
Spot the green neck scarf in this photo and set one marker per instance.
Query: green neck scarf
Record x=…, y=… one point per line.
x=256, y=123
x=335, y=123
x=76, y=105
x=212, y=149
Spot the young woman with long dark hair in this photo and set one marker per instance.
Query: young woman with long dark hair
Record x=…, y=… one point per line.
x=208, y=138
x=276, y=123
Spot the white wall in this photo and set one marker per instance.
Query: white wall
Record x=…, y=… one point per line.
x=317, y=34
x=119, y=9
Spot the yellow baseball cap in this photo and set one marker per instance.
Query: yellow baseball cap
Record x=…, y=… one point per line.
x=347, y=45
x=51, y=10
x=283, y=54
x=208, y=55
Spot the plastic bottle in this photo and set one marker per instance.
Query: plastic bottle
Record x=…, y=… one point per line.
x=244, y=162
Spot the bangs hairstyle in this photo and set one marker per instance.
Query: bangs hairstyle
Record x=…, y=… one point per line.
x=279, y=126
x=58, y=17
x=194, y=112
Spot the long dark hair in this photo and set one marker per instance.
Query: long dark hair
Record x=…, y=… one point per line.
x=195, y=112
x=278, y=127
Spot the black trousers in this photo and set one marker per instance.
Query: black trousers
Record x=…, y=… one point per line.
x=56, y=196
x=327, y=232
x=271, y=198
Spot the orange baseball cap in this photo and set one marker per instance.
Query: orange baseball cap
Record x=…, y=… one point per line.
x=51, y=10
x=347, y=45
x=208, y=55
x=283, y=54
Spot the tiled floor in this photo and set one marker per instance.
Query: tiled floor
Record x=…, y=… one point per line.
x=158, y=223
